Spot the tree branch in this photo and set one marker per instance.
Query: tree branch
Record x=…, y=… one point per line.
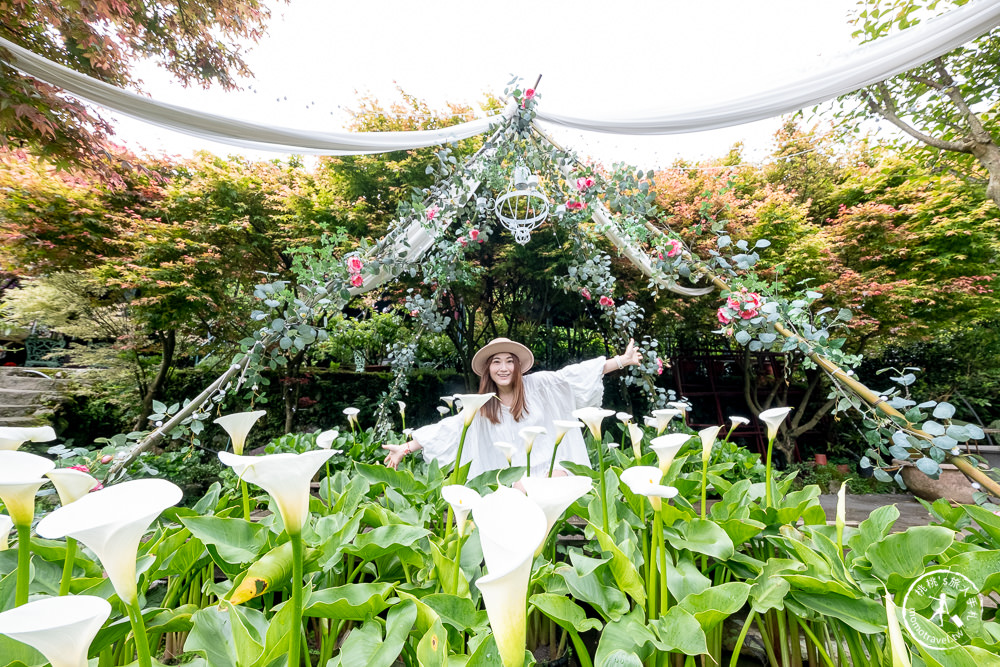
x=979, y=133
x=888, y=111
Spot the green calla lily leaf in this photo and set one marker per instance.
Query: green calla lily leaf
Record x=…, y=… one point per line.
x=716, y=604
x=353, y=602
x=701, y=536
x=564, y=611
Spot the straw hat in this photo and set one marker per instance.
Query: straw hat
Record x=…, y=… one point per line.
x=498, y=345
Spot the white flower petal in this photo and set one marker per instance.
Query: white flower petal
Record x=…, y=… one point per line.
x=285, y=477
x=111, y=522
x=238, y=425
x=708, y=436
x=462, y=500
x=529, y=433
x=6, y=524
x=592, y=417
x=773, y=419
x=12, y=437
x=471, y=404
x=60, y=628
x=71, y=485
x=554, y=495
x=21, y=475
x=326, y=439
x=666, y=448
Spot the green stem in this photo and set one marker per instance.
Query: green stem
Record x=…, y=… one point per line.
x=786, y=656
x=704, y=487
x=765, y=636
x=604, y=494
x=295, y=638
x=769, y=494
x=816, y=642
x=581, y=650
x=552, y=464
x=246, y=500
x=455, y=477
x=528, y=472
x=139, y=633
x=739, y=640
x=458, y=566
x=664, y=591
x=329, y=487
x=23, y=564
x=67, y=574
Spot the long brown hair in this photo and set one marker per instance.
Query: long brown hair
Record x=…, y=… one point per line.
x=486, y=385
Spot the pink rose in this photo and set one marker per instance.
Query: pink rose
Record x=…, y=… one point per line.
x=474, y=235
x=574, y=205
x=80, y=468
x=675, y=248
x=585, y=293
x=529, y=94
x=354, y=264
x=414, y=313
x=357, y=280
x=432, y=211
x=723, y=316
x=733, y=303
x=748, y=314
x=463, y=241
x=659, y=366
x=606, y=301
x=589, y=182
x=751, y=301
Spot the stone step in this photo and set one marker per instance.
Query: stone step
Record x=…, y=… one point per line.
x=17, y=410
x=30, y=383
x=19, y=422
x=26, y=396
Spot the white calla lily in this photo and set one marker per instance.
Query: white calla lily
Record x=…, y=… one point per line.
x=708, y=436
x=509, y=450
x=450, y=400
x=564, y=426
x=60, y=628
x=645, y=481
x=511, y=527
x=111, y=522
x=738, y=421
x=592, y=417
x=528, y=434
x=352, y=416
x=285, y=477
x=21, y=475
x=12, y=437
x=462, y=500
x=666, y=448
x=773, y=419
x=402, y=407
x=680, y=405
x=635, y=434
x=238, y=425
x=471, y=404
x=662, y=418
x=6, y=523
x=554, y=495
x=71, y=485
x=623, y=417
x=443, y=410
x=326, y=439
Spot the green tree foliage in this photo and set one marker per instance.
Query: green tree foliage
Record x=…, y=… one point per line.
x=948, y=104
x=197, y=41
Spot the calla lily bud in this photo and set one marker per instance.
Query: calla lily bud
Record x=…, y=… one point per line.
x=402, y=407
x=841, y=520
x=708, y=436
x=238, y=425
x=635, y=434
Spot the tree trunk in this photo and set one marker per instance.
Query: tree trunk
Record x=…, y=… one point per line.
x=291, y=389
x=988, y=154
x=168, y=343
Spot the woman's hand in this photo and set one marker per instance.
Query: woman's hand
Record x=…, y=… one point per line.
x=632, y=356
x=395, y=455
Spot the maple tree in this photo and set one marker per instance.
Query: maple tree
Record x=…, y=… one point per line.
x=200, y=42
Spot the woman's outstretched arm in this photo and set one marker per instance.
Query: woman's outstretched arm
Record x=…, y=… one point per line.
x=397, y=452
x=630, y=357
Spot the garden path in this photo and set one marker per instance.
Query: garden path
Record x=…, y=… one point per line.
x=911, y=512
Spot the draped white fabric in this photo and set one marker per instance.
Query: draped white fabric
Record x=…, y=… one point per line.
x=853, y=70
x=228, y=130
x=868, y=64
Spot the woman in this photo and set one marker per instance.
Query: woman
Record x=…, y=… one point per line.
x=521, y=400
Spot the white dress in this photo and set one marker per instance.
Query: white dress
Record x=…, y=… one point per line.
x=548, y=396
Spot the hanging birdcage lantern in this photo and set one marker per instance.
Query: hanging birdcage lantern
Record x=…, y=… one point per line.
x=523, y=207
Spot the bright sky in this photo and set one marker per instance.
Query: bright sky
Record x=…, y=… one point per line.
x=595, y=56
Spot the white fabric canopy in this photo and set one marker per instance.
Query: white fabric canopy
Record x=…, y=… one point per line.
x=853, y=70
x=228, y=130
x=868, y=64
